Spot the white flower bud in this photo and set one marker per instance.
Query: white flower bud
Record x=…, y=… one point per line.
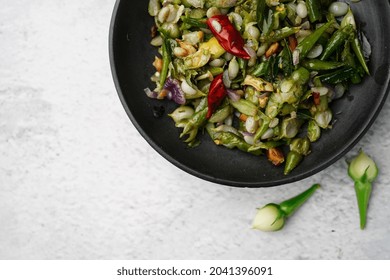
x=268, y=218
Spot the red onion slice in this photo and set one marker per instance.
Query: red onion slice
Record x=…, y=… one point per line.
x=150, y=94
x=175, y=91
x=234, y=96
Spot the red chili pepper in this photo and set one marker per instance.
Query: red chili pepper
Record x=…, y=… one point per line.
x=292, y=42
x=316, y=98
x=228, y=37
x=216, y=94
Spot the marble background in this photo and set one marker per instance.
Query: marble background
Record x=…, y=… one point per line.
x=77, y=181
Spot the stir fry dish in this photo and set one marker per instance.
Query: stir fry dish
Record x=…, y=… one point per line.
x=255, y=75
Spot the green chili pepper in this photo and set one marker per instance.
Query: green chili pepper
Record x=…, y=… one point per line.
x=268, y=24
x=299, y=148
x=167, y=58
x=261, y=69
x=314, y=10
x=287, y=109
x=285, y=61
x=195, y=122
x=231, y=141
x=363, y=171
x=245, y=107
x=267, y=145
x=319, y=65
x=262, y=128
x=359, y=53
x=221, y=114
x=242, y=64
x=349, y=60
x=349, y=19
x=264, y=122
x=194, y=22
x=292, y=161
x=308, y=43
x=215, y=71
x=261, y=11
x=279, y=34
x=338, y=76
x=338, y=38
x=300, y=76
x=272, y=216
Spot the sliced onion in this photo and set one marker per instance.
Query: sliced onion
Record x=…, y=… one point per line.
x=227, y=128
x=321, y=90
x=274, y=122
x=315, y=51
x=175, y=91
x=229, y=120
x=249, y=139
x=251, y=124
x=301, y=10
x=250, y=51
x=157, y=41
x=187, y=88
x=296, y=55
x=268, y=134
x=233, y=69
x=233, y=95
x=219, y=62
x=246, y=133
x=254, y=32
x=228, y=56
x=150, y=94
x=237, y=19
x=213, y=11
x=305, y=25
x=262, y=49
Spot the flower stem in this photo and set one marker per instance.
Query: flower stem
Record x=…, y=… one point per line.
x=363, y=191
x=291, y=205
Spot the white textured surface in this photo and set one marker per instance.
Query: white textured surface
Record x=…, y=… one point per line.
x=77, y=181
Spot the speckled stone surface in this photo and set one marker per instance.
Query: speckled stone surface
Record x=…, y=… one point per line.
x=77, y=181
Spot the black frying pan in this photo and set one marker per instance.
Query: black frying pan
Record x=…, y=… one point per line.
x=131, y=56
